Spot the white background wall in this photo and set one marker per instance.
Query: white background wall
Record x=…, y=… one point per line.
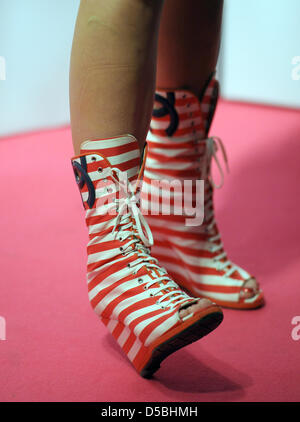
x=35, y=39
x=260, y=39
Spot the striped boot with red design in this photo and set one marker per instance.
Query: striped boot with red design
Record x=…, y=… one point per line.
x=133, y=296
x=179, y=149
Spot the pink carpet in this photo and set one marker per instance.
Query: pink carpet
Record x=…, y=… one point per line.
x=55, y=347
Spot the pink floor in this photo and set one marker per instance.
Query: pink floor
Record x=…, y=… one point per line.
x=57, y=350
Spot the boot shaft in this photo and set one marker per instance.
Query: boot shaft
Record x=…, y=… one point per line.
x=178, y=143
x=95, y=173
x=181, y=114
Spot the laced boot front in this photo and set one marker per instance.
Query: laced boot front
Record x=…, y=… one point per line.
x=134, y=297
x=179, y=148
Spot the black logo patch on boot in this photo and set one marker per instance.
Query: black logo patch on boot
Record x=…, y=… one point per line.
x=168, y=108
x=83, y=179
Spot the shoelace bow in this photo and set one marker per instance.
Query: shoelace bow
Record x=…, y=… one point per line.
x=213, y=144
x=131, y=224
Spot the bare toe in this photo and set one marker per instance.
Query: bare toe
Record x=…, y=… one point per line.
x=249, y=289
x=201, y=304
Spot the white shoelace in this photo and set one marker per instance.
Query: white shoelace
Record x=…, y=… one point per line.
x=221, y=260
x=132, y=225
x=212, y=144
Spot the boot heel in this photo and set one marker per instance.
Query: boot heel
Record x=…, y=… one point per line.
x=129, y=343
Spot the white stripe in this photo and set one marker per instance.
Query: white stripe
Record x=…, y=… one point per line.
x=135, y=348
x=169, y=140
x=123, y=158
x=154, y=164
x=124, y=336
x=108, y=143
x=172, y=152
x=112, y=325
x=103, y=255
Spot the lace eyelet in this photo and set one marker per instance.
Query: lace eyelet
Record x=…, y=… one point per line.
x=151, y=294
x=100, y=170
x=128, y=265
x=145, y=288
x=93, y=159
x=121, y=248
x=140, y=280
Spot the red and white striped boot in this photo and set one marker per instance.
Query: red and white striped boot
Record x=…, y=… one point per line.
x=134, y=297
x=179, y=149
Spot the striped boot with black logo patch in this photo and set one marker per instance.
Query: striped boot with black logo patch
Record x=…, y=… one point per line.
x=179, y=149
x=133, y=296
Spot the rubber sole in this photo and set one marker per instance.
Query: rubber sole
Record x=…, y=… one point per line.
x=192, y=333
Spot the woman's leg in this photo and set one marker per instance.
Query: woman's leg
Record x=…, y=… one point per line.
x=113, y=66
x=189, y=41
